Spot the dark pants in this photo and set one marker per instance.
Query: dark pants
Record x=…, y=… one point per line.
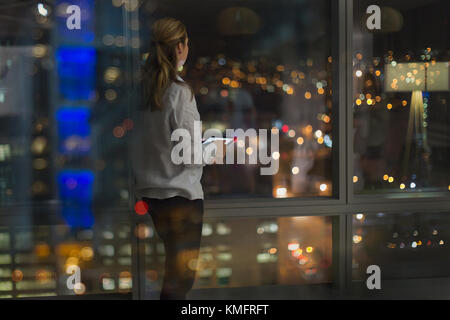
x=178, y=221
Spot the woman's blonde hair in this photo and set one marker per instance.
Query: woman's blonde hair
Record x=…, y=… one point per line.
x=160, y=69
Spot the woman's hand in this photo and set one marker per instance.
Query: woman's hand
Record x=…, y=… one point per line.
x=221, y=150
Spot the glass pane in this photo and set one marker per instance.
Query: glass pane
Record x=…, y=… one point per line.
x=57, y=261
x=406, y=245
x=401, y=96
x=63, y=98
x=63, y=120
x=251, y=253
x=260, y=65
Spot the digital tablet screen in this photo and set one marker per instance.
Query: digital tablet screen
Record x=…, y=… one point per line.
x=212, y=139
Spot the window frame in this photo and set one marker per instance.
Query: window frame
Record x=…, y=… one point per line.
x=341, y=206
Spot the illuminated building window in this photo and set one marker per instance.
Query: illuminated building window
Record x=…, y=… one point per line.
x=207, y=230
x=223, y=229
x=106, y=250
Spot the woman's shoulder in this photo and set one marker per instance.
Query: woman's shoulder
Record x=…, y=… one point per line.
x=178, y=91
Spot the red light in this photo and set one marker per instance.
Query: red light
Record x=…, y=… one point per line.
x=285, y=128
x=128, y=124
x=235, y=139
x=141, y=208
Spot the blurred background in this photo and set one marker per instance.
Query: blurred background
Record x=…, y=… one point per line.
x=67, y=102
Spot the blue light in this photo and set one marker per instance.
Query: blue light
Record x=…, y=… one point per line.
x=76, y=194
x=74, y=130
x=77, y=217
x=328, y=142
x=76, y=186
x=76, y=70
x=278, y=124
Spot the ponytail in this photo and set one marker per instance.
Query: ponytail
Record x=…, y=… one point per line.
x=160, y=68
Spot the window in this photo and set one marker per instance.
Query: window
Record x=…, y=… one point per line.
x=360, y=114
x=277, y=251
x=400, y=98
x=43, y=265
x=403, y=245
x=261, y=65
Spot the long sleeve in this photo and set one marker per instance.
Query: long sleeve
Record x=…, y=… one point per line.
x=185, y=116
x=159, y=173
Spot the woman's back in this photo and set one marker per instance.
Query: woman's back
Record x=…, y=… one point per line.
x=155, y=174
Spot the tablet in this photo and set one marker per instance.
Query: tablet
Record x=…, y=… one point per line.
x=212, y=139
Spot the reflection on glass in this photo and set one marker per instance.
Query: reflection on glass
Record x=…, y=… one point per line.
x=264, y=69
x=253, y=252
x=63, y=148
x=408, y=245
x=40, y=260
x=62, y=97
x=400, y=98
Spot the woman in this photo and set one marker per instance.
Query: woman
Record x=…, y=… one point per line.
x=173, y=192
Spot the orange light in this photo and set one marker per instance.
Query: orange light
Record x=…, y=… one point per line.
x=43, y=275
x=234, y=84
x=119, y=132
x=79, y=288
x=87, y=253
x=17, y=275
x=42, y=250
x=308, y=129
x=142, y=231
x=296, y=253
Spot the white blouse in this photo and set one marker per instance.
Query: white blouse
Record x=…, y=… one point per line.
x=154, y=173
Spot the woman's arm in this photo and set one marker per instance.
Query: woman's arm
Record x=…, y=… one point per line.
x=184, y=115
